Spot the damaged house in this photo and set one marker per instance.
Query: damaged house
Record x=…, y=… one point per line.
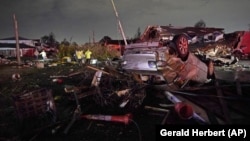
x=210, y=42
x=27, y=46
x=235, y=44
x=194, y=34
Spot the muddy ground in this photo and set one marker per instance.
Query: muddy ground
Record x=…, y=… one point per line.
x=52, y=125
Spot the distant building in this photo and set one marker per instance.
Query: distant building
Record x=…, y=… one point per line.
x=27, y=47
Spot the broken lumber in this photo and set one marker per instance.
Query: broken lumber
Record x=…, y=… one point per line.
x=96, y=69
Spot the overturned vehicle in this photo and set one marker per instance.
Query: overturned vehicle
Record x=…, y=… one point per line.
x=169, y=62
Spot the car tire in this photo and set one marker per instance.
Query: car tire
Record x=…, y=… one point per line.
x=181, y=42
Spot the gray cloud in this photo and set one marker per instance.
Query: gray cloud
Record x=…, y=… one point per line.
x=78, y=18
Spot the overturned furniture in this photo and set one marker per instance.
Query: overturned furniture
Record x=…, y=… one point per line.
x=34, y=103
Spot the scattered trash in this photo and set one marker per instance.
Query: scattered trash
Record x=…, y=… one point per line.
x=124, y=103
x=96, y=79
x=184, y=110
x=122, y=92
x=53, y=65
x=66, y=59
x=53, y=131
x=58, y=80
x=156, y=109
x=40, y=64
x=16, y=77
x=58, y=76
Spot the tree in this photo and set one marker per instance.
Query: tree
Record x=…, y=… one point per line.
x=105, y=39
x=200, y=23
x=65, y=42
x=50, y=40
x=74, y=44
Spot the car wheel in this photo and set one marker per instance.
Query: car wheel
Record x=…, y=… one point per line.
x=181, y=42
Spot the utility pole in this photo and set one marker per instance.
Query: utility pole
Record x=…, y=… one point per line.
x=119, y=23
x=93, y=36
x=17, y=40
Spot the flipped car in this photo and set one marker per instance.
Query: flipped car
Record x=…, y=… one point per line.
x=168, y=62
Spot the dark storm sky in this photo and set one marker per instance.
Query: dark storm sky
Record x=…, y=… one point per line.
x=78, y=19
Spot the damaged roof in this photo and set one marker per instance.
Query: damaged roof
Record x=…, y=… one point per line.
x=164, y=32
